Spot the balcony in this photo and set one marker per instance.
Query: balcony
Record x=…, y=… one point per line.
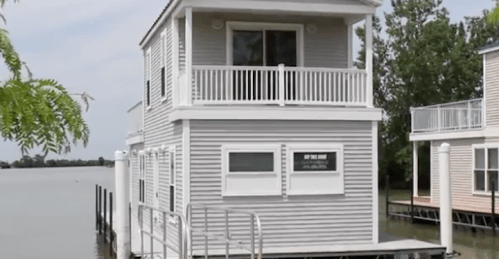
x=280, y=86
x=456, y=116
x=135, y=122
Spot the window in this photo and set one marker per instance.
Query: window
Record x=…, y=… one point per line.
x=172, y=179
x=163, y=65
x=251, y=170
x=148, y=82
x=315, y=169
x=486, y=167
x=142, y=169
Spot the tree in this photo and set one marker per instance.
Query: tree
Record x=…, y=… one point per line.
x=37, y=112
x=425, y=60
x=101, y=161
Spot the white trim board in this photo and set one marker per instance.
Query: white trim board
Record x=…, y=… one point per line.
x=298, y=7
x=479, y=133
x=135, y=140
x=186, y=164
x=274, y=113
x=375, y=183
x=488, y=50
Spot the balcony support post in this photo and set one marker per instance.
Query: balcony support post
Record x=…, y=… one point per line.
x=188, y=55
x=282, y=94
x=469, y=115
x=369, y=58
x=415, y=172
x=350, y=45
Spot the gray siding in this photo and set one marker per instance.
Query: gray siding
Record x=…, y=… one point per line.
x=492, y=88
x=461, y=170
x=159, y=130
x=289, y=220
x=325, y=48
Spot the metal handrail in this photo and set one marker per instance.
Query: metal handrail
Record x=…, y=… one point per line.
x=183, y=231
x=226, y=237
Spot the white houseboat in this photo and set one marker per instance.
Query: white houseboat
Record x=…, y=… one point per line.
x=256, y=106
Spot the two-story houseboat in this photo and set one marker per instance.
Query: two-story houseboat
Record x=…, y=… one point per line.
x=256, y=106
x=472, y=130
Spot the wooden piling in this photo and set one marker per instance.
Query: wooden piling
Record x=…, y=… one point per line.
x=100, y=210
x=493, y=199
x=105, y=214
x=111, y=223
x=387, y=190
x=96, y=207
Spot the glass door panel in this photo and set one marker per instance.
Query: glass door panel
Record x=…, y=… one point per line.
x=281, y=49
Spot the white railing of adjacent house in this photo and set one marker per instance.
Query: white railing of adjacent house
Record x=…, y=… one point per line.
x=135, y=120
x=276, y=85
x=465, y=115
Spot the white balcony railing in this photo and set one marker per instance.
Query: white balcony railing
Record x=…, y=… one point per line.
x=277, y=85
x=135, y=120
x=465, y=115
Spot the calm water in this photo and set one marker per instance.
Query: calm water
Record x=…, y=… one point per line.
x=49, y=214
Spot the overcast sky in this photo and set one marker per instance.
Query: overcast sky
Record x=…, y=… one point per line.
x=92, y=46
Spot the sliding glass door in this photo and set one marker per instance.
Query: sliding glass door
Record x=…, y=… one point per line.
x=262, y=48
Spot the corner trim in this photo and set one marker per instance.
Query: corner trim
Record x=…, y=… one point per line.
x=186, y=162
x=375, y=183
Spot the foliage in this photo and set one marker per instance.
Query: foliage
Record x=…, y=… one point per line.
x=37, y=112
x=38, y=161
x=101, y=161
x=424, y=60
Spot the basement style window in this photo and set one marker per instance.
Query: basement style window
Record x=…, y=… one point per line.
x=315, y=169
x=486, y=167
x=251, y=170
x=172, y=180
x=142, y=172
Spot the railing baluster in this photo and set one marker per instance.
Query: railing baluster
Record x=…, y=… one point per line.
x=206, y=231
x=152, y=231
x=227, y=237
x=165, y=227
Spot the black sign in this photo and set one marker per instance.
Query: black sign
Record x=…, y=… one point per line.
x=323, y=161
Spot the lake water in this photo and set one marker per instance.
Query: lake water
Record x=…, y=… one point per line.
x=50, y=214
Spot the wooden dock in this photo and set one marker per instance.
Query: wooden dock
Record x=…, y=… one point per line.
x=469, y=215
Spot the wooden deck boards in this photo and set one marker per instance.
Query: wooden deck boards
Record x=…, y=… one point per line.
x=477, y=207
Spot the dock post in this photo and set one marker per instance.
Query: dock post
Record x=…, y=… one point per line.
x=122, y=189
x=96, y=207
x=105, y=215
x=412, y=203
x=387, y=194
x=110, y=223
x=100, y=209
x=493, y=221
x=445, y=198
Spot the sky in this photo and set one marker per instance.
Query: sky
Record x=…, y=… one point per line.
x=92, y=46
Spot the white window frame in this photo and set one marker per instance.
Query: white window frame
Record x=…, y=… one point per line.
x=261, y=26
x=163, y=64
x=315, y=147
x=172, y=178
x=485, y=147
x=149, y=79
x=270, y=178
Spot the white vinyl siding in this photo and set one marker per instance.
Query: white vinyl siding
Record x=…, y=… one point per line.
x=289, y=221
x=326, y=48
x=492, y=88
x=159, y=130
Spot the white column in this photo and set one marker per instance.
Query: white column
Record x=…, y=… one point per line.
x=350, y=45
x=188, y=54
x=175, y=65
x=445, y=197
x=415, y=171
x=122, y=190
x=369, y=58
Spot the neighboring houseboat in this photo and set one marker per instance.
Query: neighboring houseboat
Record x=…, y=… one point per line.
x=256, y=106
x=472, y=130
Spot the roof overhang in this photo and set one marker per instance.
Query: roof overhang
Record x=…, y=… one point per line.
x=174, y=7
x=490, y=48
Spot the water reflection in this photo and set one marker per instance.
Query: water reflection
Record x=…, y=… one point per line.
x=101, y=248
x=477, y=244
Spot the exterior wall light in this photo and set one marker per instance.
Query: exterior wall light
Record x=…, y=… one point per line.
x=217, y=24
x=311, y=27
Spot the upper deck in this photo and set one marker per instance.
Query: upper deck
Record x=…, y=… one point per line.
x=260, y=55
